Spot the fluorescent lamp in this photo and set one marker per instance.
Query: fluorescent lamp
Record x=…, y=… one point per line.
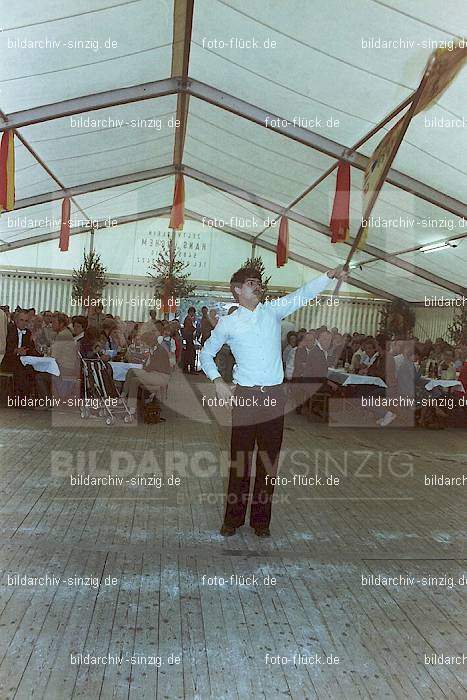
x=437, y=246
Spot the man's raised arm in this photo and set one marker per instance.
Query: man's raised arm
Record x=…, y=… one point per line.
x=286, y=305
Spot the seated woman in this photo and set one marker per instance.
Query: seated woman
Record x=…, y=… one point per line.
x=359, y=357
x=65, y=352
x=107, y=336
x=80, y=323
x=177, y=338
x=118, y=336
x=166, y=339
x=380, y=364
x=91, y=346
x=447, y=369
x=153, y=376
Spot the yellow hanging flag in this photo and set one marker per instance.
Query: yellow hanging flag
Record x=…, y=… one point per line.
x=447, y=64
x=7, y=171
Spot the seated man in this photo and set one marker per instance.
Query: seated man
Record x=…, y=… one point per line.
x=19, y=342
x=301, y=370
x=316, y=370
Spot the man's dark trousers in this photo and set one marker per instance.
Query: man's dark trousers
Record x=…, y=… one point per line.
x=257, y=418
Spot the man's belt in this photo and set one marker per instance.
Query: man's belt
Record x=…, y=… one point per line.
x=258, y=387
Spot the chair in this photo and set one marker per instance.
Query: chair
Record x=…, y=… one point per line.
x=318, y=404
x=7, y=386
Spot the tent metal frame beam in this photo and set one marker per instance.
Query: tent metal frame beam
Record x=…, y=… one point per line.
x=374, y=130
x=54, y=235
x=382, y=256
x=320, y=143
x=319, y=228
x=183, y=24
x=292, y=256
x=235, y=105
x=89, y=103
x=165, y=211
x=240, y=194
x=415, y=249
x=95, y=186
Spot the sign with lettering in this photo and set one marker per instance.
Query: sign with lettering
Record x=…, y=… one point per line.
x=192, y=246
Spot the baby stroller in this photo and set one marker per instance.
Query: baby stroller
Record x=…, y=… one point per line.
x=100, y=392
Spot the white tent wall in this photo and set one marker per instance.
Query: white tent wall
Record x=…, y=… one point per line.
x=348, y=87
x=433, y=323
x=132, y=300
x=348, y=316
x=40, y=291
x=46, y=256
x=39, y=275
x=211, y=254
x=47, y=291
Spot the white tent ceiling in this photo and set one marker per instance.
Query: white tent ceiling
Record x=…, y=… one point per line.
x=92, y=111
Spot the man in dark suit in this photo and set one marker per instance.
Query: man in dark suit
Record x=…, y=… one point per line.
x=189, y=352
x=19, y=342
x=312, y=368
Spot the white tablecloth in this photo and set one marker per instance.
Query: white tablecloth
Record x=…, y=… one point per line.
x=446, y=383
x=121, y=368
x=344, y=379
x=41, y=364
x=49, y=364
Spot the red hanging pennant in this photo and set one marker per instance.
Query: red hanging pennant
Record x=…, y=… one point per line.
x=65, y=226
x=282, y=248
x=177, y=216
x=339, y=223
x=7, y=171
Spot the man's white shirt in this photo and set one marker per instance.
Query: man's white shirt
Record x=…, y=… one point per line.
x=255, y=337
x=21, y=334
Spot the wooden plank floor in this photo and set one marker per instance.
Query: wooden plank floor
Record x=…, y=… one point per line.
x=145, y=556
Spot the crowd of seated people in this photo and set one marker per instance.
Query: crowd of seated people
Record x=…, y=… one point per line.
x=156, y=344
x=404, y=365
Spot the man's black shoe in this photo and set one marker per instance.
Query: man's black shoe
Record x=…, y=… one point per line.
x=262, y=532
x=227, y=531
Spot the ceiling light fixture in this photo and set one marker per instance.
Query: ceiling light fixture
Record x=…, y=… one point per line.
x=437, y=246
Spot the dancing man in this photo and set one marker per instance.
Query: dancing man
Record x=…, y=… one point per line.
x=253, y=333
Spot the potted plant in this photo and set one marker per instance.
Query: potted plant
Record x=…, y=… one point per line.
x=397, y=319
x=170, y=280
x=89, y=281
x=258, y=265
x=458, y=328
